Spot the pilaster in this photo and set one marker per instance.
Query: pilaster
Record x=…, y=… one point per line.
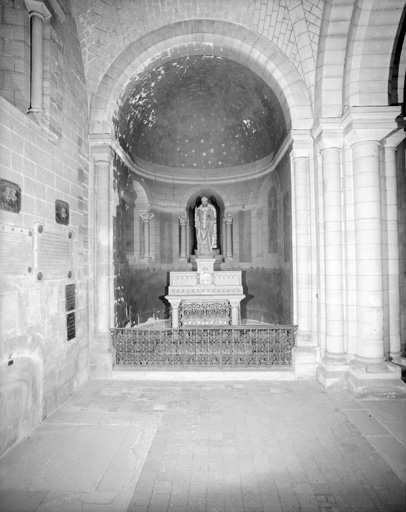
x=305, y=353
x=101, y=352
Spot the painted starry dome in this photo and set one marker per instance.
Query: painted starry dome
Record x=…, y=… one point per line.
x=200, y=112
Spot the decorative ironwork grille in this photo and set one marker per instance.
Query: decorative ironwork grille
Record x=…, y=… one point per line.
x=237, y=346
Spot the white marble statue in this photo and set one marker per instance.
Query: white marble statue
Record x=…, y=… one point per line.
x=205, y=222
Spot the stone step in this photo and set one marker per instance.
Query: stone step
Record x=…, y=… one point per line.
x=202, y=374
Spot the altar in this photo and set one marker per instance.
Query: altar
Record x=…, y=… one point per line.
x=205, y=296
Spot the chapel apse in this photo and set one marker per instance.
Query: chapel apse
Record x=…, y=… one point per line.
x=199, y=112
x=205, y=116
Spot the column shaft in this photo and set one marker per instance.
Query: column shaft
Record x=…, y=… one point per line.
x=103, y=245
x=333, y=252
x=368, y=250
x=183, y=222
x=300, y=173
x=393, y=252
x=146, y=217
x=229, y=235
x=37, y=61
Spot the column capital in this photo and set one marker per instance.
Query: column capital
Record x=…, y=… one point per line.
x=327, y=133
x=102, y=153
x=183, y=219
x=362, y=124
x=394, y=139
x=146, y=215
x=37, y=8
x=228, y=218
x=301, y=143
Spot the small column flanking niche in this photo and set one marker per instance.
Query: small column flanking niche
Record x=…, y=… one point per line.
x=38, y=14
x=146, y=217
x=228, y=220
x=183, y=222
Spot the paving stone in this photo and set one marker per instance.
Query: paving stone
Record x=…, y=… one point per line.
x=252, y=446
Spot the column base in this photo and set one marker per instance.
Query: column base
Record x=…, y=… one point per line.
x=398, y=359
x=101, y=357
x=305, y=361
x=331, y=374
x=381, y=380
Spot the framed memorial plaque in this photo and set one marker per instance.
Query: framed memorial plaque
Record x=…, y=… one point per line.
x=16, y=251
x=53, y=252
x=10, y=196
x=70, y=326
x=70, y=297
x=61, y=212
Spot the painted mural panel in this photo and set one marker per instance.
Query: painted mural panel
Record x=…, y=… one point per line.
x=268, y=296
x=166, y=238
x=245, y=237
x=272, y=222
x=287, y=227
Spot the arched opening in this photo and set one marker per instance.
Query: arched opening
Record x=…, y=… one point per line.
x=159, y=148
x=217, y=202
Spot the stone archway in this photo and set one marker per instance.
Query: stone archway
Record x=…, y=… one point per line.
x=276, y=70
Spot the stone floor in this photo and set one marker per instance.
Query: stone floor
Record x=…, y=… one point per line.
x=235, y=446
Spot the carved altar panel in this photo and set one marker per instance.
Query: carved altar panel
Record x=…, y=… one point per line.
x=205, y=313
x=205, y=297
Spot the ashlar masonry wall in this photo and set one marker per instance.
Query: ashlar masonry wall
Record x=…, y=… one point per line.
x=43, y=165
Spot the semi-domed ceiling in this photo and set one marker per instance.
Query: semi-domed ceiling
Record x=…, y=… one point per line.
x=200, y=112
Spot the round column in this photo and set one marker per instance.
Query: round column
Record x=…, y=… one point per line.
x=175, y=313
x=102, y=158
x=368, y=250
x=146, y=217
x=390, y=147
x=183, y=223
x=235, y=312
x=228, y=219
x=333, y=254
x=38, y=13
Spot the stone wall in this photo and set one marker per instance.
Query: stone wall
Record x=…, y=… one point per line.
x=45, y=155
x=106, y=28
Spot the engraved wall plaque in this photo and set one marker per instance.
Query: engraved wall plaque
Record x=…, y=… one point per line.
x=70, y=297
x=16, y=251
x=10, y=196
x=70, y=326
x=53, y=252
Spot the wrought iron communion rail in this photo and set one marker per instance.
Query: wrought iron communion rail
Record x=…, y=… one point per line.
x=237, y=346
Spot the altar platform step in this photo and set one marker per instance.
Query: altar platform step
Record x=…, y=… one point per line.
x=202, y=374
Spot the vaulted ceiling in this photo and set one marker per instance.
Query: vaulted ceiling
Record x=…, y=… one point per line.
x=199, y=112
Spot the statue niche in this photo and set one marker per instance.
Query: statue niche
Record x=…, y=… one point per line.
x=205, y=228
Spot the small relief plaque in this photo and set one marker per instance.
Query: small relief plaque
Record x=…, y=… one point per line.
x=16, y=251
x=61, y=212
x=53, y=252
x=10, y=196
x=70, y=297
x=70, y=326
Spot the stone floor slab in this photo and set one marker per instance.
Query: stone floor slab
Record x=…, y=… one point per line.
x=209, y=446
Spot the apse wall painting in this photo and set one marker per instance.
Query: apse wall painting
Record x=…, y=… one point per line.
x=272, y=222
x=245, y=237
x=166, y=241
